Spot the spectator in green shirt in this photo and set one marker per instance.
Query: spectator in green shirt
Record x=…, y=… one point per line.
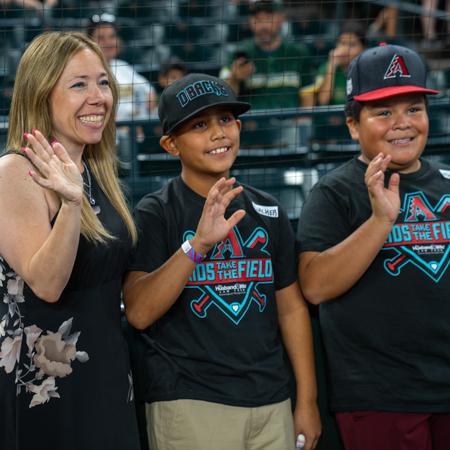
x=267, y=70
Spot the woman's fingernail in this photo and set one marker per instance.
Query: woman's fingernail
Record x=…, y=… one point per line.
x=25, y=135
x=53, y=141
x=23, y=149
x=34, y=131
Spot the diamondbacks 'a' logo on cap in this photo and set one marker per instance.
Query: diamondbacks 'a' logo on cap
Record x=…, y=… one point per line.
x=397, y=68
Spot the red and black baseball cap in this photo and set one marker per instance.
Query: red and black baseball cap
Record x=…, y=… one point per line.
x=192, y=94
x=385, y=71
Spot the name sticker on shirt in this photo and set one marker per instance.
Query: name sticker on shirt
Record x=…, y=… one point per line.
x=445, y=173
x=269, y=211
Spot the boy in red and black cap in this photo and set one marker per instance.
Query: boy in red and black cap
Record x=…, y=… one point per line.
x=374, y=243
x=212, y=286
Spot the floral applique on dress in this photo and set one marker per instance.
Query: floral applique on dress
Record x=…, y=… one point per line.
x=50, y=354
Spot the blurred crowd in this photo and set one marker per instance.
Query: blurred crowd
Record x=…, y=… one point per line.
x=275, y=54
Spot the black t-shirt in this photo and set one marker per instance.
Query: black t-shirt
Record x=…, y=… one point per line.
x=387, y=338
x=220, y=341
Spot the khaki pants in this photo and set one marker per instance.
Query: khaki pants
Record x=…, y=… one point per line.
x=199, y=425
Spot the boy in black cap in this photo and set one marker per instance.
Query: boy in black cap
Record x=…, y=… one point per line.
x=374, y=248
x=213, y=294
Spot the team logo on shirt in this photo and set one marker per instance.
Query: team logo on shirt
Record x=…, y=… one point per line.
x=422, y=238
x=229, y=280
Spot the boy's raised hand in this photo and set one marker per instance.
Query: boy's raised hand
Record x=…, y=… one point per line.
x=385, y=201
x=213, y=226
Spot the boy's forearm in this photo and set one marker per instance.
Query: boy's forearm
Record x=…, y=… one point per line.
x=148, y=296
x=331, y=273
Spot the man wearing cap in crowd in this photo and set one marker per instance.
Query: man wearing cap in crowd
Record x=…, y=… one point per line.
x=268, y=70
x=374, y=240
x=213, y=286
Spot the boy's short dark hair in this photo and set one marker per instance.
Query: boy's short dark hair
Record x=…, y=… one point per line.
x=353, y=109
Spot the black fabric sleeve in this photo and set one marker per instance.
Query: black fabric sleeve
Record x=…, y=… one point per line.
x=151, y=250
x=285, y=257
x=324, y=220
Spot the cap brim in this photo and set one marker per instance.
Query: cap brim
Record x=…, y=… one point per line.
x=379, y=94
x=237, y=108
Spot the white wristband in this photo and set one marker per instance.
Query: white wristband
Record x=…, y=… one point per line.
x=191, y=253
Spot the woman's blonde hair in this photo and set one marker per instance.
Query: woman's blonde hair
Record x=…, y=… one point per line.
x=38, y=72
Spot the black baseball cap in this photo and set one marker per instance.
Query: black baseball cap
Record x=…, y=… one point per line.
x=190, y=95
x=385, y=71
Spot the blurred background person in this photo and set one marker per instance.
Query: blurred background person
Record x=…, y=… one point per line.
x=385, y=23
x=330, y=81
x=429, y=25
x=14, y=8
x=137, y=97
x=267, y=70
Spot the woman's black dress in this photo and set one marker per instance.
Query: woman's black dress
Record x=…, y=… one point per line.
x=65, y=382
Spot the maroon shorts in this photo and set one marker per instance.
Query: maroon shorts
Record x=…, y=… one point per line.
x=378, y=430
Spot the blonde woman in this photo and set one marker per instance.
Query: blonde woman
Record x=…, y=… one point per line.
x=66, y=234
